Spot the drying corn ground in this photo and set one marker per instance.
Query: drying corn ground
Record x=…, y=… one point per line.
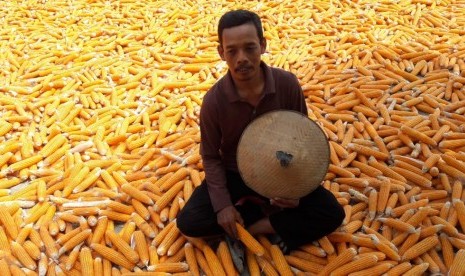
x=99, y=136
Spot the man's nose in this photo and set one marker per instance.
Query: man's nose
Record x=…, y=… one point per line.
x=241, y=56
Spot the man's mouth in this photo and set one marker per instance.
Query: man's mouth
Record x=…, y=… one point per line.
x=243, y=69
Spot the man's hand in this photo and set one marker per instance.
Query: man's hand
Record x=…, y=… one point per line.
x=284, y=203
x=227, y=218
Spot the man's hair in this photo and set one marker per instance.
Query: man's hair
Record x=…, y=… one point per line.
x=237, y=18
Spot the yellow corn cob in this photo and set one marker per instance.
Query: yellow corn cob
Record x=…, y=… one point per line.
x=32, y=250
x=303, y=265
x=114, y=215
x=87, y=264
x=16, y=270
x=372, y=202
x=26, y=163
x=33, y=217
x=178, y=176
x=143, y=225
x=398, y=224
x=5, y=157
x=457, y=267
x=166, y=198
x=4, y=243
x=5, y=127
x=141, y=247
x=107, y=267
x=280, y=262
x=195, y=177
x=169, y=267
x=75, y=180
x=202, y=262
x=53, y=145
x=447, y=227
x=252, y=263
x=120, y=207
x=420, y=248
x=144, y=159
x=327, y=245
x=140, y=209
x=4, y=267
x=376, y=270
x=88, y=181
x=250, y=242
x=112, y=255
x=153, y=256
x=74, y=241
x=19, y=252
x=408, y=242
x=401, y=209
x=34, y=236
x=225, y=257
x=66, y=237
x=127, y=231
x=213, y=261
x=119, y=178
x=168, y=239
x=314, y=250
x=72, y=257
x=191, y=259
x=417, y=269
x=8, y=223
x=267, y=267
x=386, y=248
x=98, y=266
x=123, y=247
x=137, y=194
x=176, y=246
x=356, y=265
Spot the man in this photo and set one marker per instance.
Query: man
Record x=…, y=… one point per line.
x=249, y=89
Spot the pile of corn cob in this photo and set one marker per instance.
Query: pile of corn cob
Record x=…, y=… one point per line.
x=99, y=138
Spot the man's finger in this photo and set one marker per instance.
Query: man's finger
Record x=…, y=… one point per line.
x=239, y=219
x=234, y=230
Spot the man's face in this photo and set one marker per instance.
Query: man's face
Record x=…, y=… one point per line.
x=241, y=49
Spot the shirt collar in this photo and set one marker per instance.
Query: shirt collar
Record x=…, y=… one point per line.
x=230, y=89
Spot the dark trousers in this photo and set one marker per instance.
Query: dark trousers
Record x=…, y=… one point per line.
x=317, y=215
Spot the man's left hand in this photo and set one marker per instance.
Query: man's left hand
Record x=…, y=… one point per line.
x=284, y=203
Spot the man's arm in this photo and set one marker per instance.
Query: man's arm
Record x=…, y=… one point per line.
x=295, y=99
x=215, y=173
x=298, y=98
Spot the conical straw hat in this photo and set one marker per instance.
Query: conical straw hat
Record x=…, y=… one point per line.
x=283, y=154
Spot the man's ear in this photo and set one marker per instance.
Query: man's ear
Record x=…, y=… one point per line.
x=221, y=52
x=263, y=46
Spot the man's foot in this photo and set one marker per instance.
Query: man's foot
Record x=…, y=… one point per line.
x=213, y=242
x=276, y=239
x=238, y=255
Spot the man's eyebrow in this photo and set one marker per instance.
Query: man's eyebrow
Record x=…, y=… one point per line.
x=246, y=44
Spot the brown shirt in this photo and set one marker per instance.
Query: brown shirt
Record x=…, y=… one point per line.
x=224, y=116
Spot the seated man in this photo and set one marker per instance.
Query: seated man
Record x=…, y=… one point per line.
x=249, y=89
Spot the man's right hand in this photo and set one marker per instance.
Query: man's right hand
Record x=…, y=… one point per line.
x=227, y=218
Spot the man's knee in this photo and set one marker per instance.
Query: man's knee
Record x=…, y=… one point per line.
x=337, y=217
x=191, y=225
x=185, y=224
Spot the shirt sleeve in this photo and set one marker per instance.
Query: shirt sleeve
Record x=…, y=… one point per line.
x=210, y=144
x=297, y=97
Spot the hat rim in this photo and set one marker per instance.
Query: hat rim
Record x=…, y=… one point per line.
x=312, y=186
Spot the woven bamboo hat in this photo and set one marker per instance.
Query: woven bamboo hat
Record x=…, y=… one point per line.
x=283, y=154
